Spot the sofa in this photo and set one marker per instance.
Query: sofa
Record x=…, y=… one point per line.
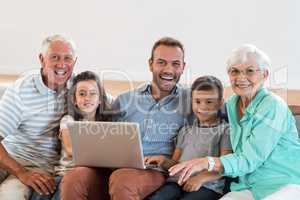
x=295, y=108
x=2, y=89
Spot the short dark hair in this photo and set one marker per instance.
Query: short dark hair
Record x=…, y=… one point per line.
x=103, y=112
x=208, y=83
x=167, y=41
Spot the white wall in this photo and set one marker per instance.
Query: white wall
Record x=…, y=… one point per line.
x=118, y=35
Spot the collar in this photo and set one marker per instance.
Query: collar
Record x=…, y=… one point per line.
x=261, y=93
x=40, y=85
x=146, y=88
x=44, y=89
x=251, y=108
x=197, y=123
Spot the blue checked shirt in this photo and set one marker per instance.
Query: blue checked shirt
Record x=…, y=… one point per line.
x=159, y=121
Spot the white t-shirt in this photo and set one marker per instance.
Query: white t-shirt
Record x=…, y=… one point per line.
x=66, y=162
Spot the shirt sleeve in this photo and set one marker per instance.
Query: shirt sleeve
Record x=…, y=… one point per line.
x=270, y=121
x=225, y=137
x=180, y=137
x=10, y=112
x=64, y=121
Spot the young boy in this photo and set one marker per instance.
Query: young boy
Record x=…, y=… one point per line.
x=208, y=136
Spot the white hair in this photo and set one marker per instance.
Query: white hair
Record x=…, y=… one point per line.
x=242, y=54
x=53, y=38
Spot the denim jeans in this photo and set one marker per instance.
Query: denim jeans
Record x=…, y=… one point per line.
x=173, y=191
x=54, y=196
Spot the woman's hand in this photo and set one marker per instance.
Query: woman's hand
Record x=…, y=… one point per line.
x=187, y=168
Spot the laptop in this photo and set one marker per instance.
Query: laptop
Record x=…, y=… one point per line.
x=107, y=144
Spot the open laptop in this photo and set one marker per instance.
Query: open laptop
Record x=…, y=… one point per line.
x=107, y=144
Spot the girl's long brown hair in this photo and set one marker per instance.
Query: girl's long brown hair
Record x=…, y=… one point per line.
x=103, y=112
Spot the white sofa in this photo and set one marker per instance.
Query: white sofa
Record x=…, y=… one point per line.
x=2, y=89
x=3, y=85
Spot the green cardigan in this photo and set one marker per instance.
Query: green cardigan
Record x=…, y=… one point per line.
x=265, y=143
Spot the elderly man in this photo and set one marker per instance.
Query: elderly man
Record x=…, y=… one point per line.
x=30, y=111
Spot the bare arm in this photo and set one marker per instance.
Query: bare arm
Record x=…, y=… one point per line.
x=64, y=136
x=9, y=164
x=41, y=183
x=168, y=163
x=163, y=161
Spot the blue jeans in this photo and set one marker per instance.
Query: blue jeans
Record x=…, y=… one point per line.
x=173, y=191
x=54, y=196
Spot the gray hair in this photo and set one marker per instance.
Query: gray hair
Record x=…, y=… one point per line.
x=242, y=54
x=47, y=42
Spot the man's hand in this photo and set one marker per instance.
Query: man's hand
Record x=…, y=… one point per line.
x=193, y=184
x=157, y=160
x=41, y=183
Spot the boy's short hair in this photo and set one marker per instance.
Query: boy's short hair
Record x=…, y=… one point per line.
x=208, y=83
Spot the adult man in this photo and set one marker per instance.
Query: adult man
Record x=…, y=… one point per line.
x=160, y=109
x=30, y=111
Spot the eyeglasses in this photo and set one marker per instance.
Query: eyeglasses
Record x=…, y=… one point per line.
x=248, y=72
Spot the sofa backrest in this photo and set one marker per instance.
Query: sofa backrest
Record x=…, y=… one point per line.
x=2, y=90
x=294, y=109
x=297, y=118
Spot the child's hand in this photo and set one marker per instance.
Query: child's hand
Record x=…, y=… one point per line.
x=193, y=184
x=157, y=160
x=187, y=168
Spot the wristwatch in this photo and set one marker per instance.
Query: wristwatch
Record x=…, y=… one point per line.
x=211, y=163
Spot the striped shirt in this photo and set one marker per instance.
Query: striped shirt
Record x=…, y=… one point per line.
x=30, y=113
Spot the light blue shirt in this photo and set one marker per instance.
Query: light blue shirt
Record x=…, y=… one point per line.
x=159, y=121
x=265, y=144
x=30, y=113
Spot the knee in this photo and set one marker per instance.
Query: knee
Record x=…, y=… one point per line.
x=119, y=179
x=83, y=183
x=79, y=175
x=120, y=176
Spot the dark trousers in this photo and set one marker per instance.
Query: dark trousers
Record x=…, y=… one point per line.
x=173, y=191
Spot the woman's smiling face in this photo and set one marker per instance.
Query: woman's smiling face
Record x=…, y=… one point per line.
x=246, y=78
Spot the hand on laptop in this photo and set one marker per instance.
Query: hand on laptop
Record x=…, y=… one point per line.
x=154, y=160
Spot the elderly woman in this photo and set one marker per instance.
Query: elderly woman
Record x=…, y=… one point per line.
x=264, y=137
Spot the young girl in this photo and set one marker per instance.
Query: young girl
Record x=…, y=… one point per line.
x=208, y=136
x=87, y=102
